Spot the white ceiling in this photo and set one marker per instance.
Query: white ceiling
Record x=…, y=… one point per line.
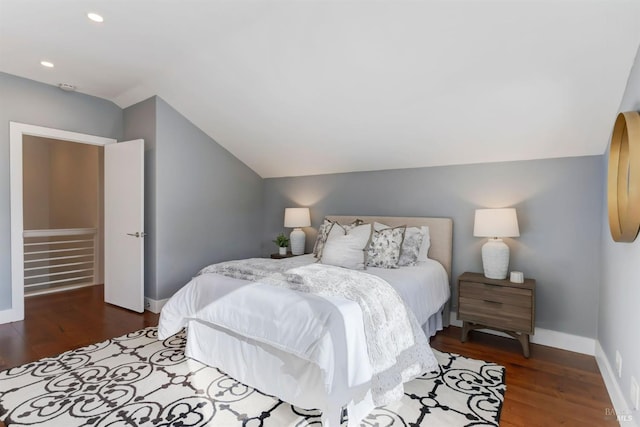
x=305, y=87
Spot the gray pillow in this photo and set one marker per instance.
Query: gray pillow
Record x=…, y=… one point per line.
x=411, y=244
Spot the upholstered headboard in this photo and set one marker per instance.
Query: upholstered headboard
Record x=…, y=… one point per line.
x=440, y=230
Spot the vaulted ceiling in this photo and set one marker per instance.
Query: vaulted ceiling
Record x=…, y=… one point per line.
x=304, y=87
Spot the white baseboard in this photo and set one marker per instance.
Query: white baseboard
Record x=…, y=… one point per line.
x=11, y=315
x=565, y=341
x=622, y=410
x=547, y=337
x=154, y=305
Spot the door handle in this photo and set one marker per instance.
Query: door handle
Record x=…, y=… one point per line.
x=137, y=234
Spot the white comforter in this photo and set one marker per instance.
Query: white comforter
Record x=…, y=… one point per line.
x=328, y=331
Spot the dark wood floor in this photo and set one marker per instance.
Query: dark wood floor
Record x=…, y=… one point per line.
x=553, y=387
x=55, y=323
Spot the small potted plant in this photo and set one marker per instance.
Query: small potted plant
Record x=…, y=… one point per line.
x=282, y=242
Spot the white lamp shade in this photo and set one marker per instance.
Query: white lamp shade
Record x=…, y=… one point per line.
x=496, y=223
x=297, y=217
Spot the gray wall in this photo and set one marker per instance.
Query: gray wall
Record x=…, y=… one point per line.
x=30, y=102
x=558, y=203
x=202, y=205
x=208, y=203
x=619, y=314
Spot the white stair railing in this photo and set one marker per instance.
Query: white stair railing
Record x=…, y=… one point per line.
x=57, y=259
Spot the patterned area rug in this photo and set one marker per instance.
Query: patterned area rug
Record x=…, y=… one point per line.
x=136, y=380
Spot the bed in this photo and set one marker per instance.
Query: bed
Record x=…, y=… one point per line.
x=320, y=359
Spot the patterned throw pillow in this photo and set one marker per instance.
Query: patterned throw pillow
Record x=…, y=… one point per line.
x=411, y=246
x=323, y=233
x=384, y=249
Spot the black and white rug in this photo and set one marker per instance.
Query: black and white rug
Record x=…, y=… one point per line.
x=136, y=380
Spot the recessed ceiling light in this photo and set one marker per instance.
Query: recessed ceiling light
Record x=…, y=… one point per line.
x=46, y=64
x=95, y=17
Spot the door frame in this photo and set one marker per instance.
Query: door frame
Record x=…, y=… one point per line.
x=16, y=132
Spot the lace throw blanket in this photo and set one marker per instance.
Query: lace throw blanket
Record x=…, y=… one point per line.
x=397, y=347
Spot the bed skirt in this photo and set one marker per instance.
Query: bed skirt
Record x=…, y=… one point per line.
x=281, y=374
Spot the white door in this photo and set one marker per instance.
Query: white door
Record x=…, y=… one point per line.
x=124, y=224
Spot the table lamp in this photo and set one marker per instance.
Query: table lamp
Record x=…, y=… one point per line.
x=495, y=223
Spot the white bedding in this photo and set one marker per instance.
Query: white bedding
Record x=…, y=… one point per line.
x=255, y=311
x=424, y=287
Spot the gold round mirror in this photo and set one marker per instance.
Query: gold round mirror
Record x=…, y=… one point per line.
x=623, y=189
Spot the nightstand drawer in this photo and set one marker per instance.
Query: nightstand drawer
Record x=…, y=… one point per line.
x=495, y=314
x=499, y=294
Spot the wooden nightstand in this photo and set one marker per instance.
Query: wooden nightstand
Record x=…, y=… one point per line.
x=497, y=304
x=278, y=256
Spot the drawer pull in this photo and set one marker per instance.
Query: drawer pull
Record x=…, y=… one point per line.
x=493, y=302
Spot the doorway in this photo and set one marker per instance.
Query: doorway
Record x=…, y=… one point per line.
x=62, y=214
x=18, y=131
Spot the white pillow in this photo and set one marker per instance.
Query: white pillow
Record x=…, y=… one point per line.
x=426, y=244
x=347, y=250
x=327, y=227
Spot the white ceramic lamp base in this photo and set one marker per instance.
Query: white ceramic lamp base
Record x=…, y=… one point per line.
x=495, y=259
x=297, y=239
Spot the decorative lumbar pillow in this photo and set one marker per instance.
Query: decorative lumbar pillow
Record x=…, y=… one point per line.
x=347, y=250
x=384, y=249
x=411, y=244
